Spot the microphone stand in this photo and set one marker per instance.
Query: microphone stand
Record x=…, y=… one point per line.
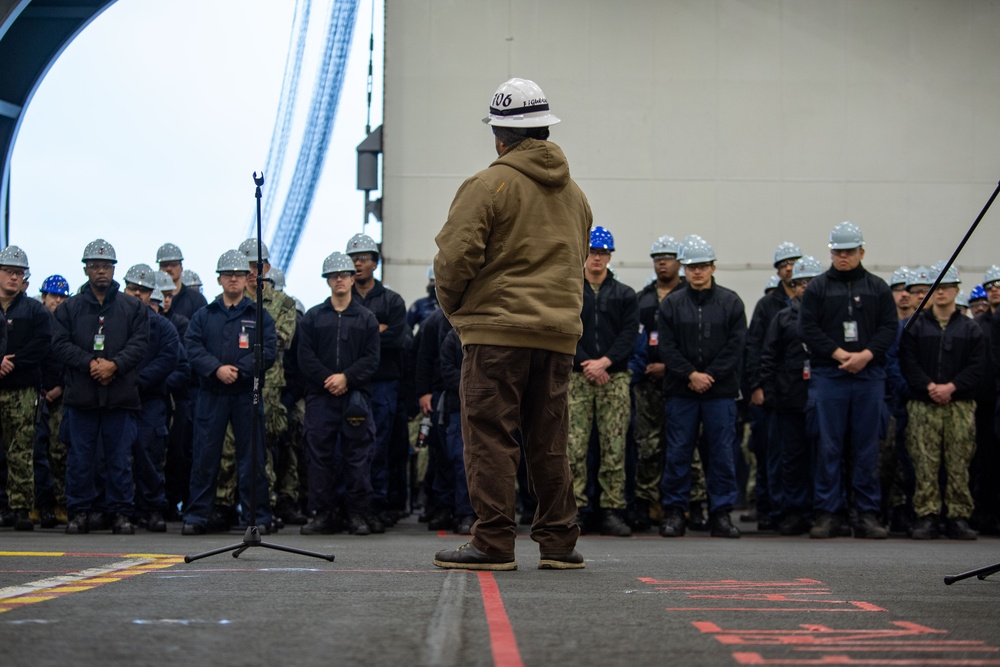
x=252, y=536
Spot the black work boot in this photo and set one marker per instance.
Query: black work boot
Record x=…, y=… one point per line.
x=571, y=561
x=640, y=516
x=122, y=526
x=321, y=523
x=79, y=524
x=356, y=525
x=612, y=524
x=869, y=527
x=464, y=526
x=824, y=527
x=673, y=522
x=793, y=524
x=22, y=520
x=442, y=520
x=155, y=523
x=722, y=526
x=288, y=511
x=468, y=557
x=924, y=528
x=958, y=529
x=698, y=516
x=47, y=518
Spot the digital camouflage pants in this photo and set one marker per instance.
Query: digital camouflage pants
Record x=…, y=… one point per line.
x=939, y=434
x=17, y=429
x=611, y=406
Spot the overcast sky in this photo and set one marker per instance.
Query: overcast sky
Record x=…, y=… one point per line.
x=149, y=126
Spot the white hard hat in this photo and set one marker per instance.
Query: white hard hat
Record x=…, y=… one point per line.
x=519, y=103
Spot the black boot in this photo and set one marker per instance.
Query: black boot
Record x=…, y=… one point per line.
x=870, y=528
x=958, y=529
x=22, y=520
x=698, y=516
x=612, y=524
x=673, y=523
x=722, y=526
x=825, y=526
x=924, y=528
x=288, y=511
x=122, y=526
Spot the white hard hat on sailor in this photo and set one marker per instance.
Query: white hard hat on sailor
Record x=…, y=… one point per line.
x=520, y=103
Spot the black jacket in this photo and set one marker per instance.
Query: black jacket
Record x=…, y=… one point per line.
x=451, y=371
x=955, y=354
x=329, y=342
x=782, y=363
x=704, y=331
x=122, y=321
x=763, y=314
x=28, y=325
x=837, y=297
x=187, y=301
x=213, y=340
x=647, y=352
x=993, y=344
x=428, y=363
x=389, y=309
x=610, y=323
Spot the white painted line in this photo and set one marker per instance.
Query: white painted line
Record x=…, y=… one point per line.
x=63, y=579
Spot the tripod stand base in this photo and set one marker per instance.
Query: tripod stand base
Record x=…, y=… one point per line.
x=980, y=574
x=251, y=538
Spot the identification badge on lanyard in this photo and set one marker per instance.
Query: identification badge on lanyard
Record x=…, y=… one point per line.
x=806, y=370
x=99, y=336
x=244, y=341
x=850, y=332
x=654, y=338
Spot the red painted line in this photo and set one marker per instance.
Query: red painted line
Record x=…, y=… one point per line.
x=857, y=608
x=502, y=641
x=861, y=648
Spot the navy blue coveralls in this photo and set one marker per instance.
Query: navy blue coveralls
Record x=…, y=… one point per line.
x=389, y=309
x=705, y=331
x=845, y=406
x=329, y=342
x=213, y=340
x=149, y=451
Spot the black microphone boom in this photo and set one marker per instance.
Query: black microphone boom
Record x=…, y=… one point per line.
x=951, y=261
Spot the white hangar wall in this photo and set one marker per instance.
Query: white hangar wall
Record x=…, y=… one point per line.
x=750, y=122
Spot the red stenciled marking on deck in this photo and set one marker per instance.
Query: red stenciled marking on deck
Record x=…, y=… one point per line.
x=502, y=641
x=904, y=643
x=798, y=594
x=902, y=638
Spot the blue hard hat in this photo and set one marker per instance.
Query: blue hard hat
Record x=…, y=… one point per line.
x=55, y=284
x=602, y=238
x=977, y=293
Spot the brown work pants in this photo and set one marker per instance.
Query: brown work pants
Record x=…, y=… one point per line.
x=507, y=393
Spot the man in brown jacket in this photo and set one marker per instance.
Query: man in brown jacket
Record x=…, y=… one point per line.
x=509, y=276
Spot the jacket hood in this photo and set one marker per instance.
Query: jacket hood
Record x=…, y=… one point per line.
x=541, y=161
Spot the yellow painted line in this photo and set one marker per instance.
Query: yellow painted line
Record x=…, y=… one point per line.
x=32, y=553
x=13, y=597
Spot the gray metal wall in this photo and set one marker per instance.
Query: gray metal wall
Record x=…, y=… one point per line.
x=750, y=122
